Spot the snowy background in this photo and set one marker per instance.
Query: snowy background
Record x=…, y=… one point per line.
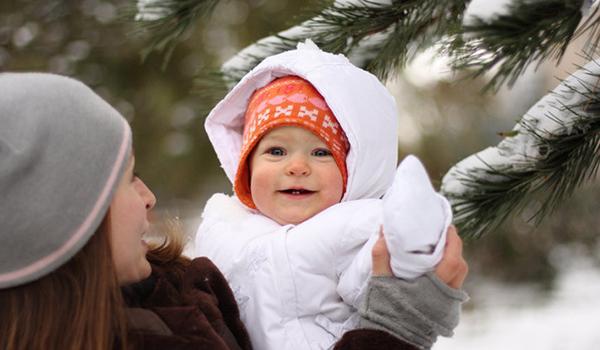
x=526, y=318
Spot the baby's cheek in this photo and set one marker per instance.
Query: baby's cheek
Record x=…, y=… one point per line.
x=259, y=198
x=259, y=186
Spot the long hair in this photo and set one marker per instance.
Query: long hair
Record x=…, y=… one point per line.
x=78, y=306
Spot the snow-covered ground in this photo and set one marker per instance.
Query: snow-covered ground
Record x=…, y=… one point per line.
x=521, y=318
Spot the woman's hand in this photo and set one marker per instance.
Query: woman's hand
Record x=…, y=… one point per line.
x=381, y=257
x=452, y=269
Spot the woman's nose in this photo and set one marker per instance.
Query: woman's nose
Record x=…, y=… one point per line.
x=148, y=196
x=298, y=166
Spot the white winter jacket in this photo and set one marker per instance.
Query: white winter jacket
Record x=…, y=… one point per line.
x=298, y=286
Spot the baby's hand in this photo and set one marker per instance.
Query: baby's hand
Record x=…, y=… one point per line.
x=415, y=220
x=452, y=269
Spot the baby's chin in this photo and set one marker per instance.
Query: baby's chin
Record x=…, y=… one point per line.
x=292, y=219
x=287, y=215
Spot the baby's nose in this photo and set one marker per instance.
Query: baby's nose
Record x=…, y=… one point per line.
x=298, y=166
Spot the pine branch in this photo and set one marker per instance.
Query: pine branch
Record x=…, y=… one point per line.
x=167, y=20
x=555, y=149
x=375, y=35
x=530, y=31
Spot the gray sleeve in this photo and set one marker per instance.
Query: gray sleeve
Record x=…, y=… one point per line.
x=416, y=311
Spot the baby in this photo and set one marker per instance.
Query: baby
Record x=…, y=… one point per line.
x=309, y=142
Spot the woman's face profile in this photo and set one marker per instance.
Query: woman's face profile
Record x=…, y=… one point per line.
x=129, y=210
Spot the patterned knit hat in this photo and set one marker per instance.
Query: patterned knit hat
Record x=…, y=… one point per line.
x=63, y=151
x=288, y=101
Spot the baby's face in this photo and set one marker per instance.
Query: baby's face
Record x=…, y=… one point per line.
x=293, y=175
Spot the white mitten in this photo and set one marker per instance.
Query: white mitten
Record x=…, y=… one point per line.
x=415, y=221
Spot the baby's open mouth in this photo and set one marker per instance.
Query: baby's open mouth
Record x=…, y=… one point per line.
x=297, y=191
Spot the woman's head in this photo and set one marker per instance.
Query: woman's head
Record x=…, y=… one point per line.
x=72, y=215
x=63, y=152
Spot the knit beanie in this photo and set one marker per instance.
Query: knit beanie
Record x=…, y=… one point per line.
x=288, y=101
x=63, y=151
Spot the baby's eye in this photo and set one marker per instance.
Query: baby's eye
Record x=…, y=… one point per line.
x=276, y=151
x=321, y=152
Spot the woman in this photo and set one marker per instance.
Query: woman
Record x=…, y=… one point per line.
x=73, y=215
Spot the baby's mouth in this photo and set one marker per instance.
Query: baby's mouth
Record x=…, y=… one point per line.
x=297, y=191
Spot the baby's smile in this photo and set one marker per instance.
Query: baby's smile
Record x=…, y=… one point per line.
x=297, y=191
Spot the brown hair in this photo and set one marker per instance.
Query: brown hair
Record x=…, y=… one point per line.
x=78, y=306
x=169, y=251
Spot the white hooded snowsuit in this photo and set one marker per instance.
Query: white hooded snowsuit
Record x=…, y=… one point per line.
x=298, y=286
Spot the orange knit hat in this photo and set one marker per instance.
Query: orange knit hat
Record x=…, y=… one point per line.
x=288, y=101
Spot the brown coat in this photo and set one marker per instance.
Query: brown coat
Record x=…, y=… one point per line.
x=371, y=339
x=189, y=307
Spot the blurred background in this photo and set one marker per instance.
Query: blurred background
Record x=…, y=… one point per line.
x=531, y=287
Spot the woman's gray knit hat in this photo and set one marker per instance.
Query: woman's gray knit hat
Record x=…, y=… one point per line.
x=63, y=151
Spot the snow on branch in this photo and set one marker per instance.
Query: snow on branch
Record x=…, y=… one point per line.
x=550, y=152
x=522, y=33
x=378, y=35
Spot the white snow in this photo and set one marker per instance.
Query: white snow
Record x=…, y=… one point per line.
x=519, y=318
x=485, y=9
x=429, y=68
x=149, y=11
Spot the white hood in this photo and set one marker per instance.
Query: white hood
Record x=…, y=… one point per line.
x=362, y=105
